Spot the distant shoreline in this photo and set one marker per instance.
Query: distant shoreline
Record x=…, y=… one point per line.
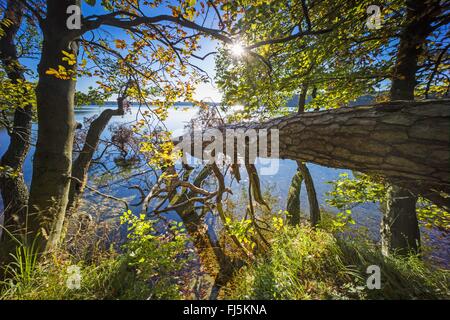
x=176, y=103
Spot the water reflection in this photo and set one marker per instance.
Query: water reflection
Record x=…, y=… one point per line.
x=367, y=215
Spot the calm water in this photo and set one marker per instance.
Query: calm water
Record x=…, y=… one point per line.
x=367, y=215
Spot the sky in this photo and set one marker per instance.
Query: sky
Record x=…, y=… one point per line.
x=206, y=91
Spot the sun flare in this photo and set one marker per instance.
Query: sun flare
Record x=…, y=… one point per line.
x=237, y=49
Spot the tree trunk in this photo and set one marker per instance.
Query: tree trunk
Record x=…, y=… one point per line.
x=14, y=191
x=399, y=227
x=81, y=165
x=212, y=256
x=302, y=99
x=419, y=18
x=407, y=143
x=293, y=199
x=55, y=103
x=314, y=211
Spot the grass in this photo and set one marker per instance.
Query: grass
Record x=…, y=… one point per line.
x=301, y=263
x=314, y=264
x=24, y=264
x=110, y=279
x=146, y=267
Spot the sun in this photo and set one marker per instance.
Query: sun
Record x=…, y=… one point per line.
x=237, y=49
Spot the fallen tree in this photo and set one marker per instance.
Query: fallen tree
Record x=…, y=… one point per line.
x=404, y=142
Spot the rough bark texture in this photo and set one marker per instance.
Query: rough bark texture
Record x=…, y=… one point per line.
x=314, y=211
x=55, y=101
x=293, y=199
x=14, y=191
x=419, y=16
x=81, y=165
x=404, y=141
x=399, y=227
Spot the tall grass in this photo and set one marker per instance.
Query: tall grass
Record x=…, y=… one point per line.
x=146, y=266
x=21, y=271
x=313, y=264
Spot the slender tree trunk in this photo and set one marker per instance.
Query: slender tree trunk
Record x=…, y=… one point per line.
x=399, y=228
x=55, y=101
x=293, y=199
x=314, y=211
x=314, y=92
x=81, y=165
x=419, y=18
x=302, y=99
x=14, y=191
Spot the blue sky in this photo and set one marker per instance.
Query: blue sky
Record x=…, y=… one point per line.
x=207, y=91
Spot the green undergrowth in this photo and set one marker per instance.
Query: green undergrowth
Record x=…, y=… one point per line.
x=109, y=278
x=301, y=263
x=149, y=265
x=315, y=264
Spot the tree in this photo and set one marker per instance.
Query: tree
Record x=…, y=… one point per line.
x=370, y=139
x=167, y=47
x=17, y=98
x=299, y=66
x=400, y=229
x=155, y=53
x=342, y=62
x=55, y=103
x=156, y=57
x=293, y=199
x=314, y=211
x=82, y=163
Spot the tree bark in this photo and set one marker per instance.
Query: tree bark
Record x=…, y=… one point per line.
x=419, y=18
x=399, y=227
x=55, y=103
x=81, y=165
x=314, y=211
x=302, y=98
x=293, y=199
x=406, y=142
x=14, y=191
x=212, y=256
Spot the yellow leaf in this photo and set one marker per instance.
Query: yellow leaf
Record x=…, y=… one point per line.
x=51, y=71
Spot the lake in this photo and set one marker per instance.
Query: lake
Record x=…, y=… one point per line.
x=367, y=215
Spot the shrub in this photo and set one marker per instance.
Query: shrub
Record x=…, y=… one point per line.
x=150, y=265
